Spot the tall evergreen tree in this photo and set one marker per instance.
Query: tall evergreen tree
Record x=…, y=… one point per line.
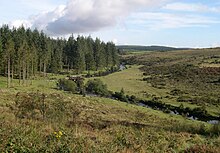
x=1, y=53
x=9, y=47
x=89, y=55
x=108, y=54
x=98, y=54
x=24, y=52
x=79, y=57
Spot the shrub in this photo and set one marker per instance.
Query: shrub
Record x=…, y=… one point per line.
x=201, y=149
x=96, y=86
x=40, y=106
x=67, y=85
x=216, y=129
x=176, y=92
x=184, y=99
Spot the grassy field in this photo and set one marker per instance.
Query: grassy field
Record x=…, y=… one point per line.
x=195, y=73
x=131, y=81
x=92, y=124
x=37, y=117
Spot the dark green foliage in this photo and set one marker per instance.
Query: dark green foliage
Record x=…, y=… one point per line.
x=96, y=86
x=104, y=73
x=24, y=52
x=125, y=98
x=216, y=129
x=1, y=53
x=67, y=85
x=121, y=96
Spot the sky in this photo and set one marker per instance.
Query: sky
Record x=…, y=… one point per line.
x=177, y=23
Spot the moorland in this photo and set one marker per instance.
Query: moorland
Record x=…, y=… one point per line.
x=161, y=102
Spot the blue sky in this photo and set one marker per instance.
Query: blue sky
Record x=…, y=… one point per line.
x=186, y=23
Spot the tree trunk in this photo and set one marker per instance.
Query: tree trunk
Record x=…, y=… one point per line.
x=45, y=69
x=19, y=71
x=12, y=73
x=9, y=75
x=27, y=74
x=32, y=70
x=24, y=72
x=68, y=69
x=40, y=66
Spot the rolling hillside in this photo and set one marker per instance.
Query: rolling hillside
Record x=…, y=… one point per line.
x=147, y=48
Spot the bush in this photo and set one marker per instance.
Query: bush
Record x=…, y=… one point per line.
x=120, y=96
x=96, y=86
x=184, y=99
x=67, y=85
x=40, y=106
x=201, y=149
x=216, y=129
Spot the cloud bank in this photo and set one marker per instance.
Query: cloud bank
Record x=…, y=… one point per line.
x=160, y=20
x=87, y=16
x=83, y=16
x=191, y=7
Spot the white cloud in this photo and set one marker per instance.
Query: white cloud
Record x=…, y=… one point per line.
x=216, y=44
x=191, y=7
x=83, y=16
x=18, y=23
x=115, y=41
x=86, y=16
x=156, y=21
x=42, y=20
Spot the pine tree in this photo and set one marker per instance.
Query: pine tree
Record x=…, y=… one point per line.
x=24, y=52
x=79, y=58
x=1, y=53
x=89, y=55
x=108, y=55
x=99, y=49
x=9, y=52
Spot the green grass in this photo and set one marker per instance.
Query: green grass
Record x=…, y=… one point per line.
x=95, y=124
x=131, y=78
x=131, y=81
x=99, y=125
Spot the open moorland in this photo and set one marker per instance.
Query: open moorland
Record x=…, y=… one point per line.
x=38, y=117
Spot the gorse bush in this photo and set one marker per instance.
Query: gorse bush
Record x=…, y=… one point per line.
x=40, y=106
x=96, y=86
x=67, y=85
x=30, y=105
x=216, y=129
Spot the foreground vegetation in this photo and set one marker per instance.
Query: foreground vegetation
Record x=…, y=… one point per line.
x=39, y=117
x=63, y=122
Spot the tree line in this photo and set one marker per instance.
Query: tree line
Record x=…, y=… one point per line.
x=25, y=53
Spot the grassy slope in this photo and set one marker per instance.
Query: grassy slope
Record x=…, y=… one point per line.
x=130, y=80
x=196, y=57
x=102, y=125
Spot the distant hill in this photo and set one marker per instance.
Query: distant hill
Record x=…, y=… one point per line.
x=148, y=48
